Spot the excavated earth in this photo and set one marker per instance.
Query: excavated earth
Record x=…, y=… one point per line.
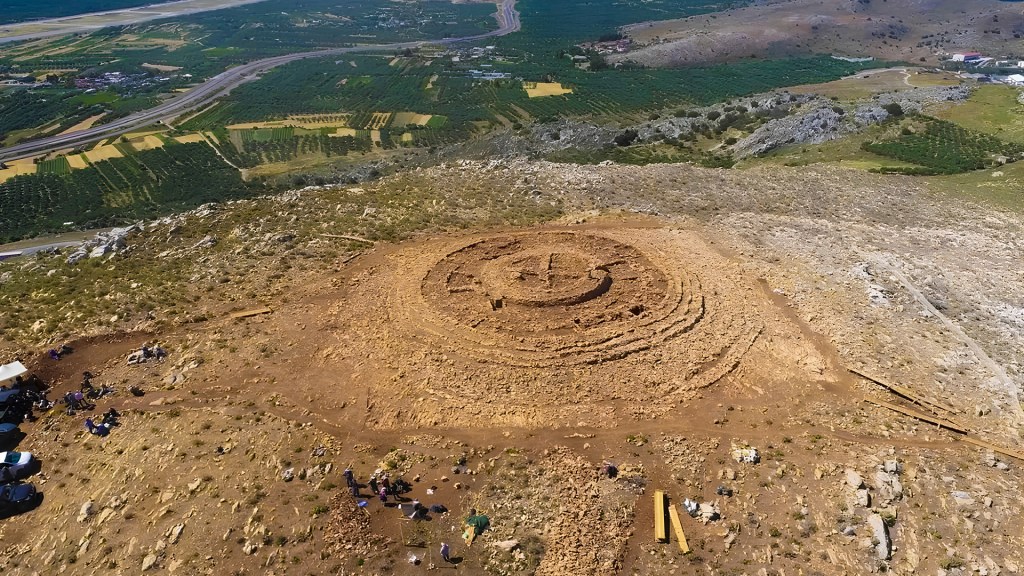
x=668, y=315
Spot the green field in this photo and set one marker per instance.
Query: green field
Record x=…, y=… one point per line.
x=941, y=147
x=95, y=98
x=142, y=185
x=326, y=87
x=58, y=166
x=992, y=109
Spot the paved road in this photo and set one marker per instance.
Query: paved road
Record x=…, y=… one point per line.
x=221, y=84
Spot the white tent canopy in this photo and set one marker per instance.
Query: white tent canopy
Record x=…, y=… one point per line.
x=9, y=371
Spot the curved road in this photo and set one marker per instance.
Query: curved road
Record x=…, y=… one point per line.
x=221, y=84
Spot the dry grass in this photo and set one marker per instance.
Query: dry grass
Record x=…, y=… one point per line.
x=541, y=89
x=103, y=152
x=17, y=168
x=311, y=121
x=406, y=118
x=866, y=84
x=190, y=138
x=84, y=124
x=379, y=120
x=148, y=142
x=161, y=67
x=77, y=162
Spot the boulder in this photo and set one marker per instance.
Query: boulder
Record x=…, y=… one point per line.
x=506, y=545
x=175, y=533
x=880, y=535
x=853, y=479
x=962, y=498
x=85, y=511
x=863, y=498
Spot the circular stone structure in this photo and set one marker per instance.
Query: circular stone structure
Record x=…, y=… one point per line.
x=580, y=326
x=553, y=298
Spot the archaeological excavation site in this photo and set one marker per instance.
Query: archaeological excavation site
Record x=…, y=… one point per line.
x=697, y=373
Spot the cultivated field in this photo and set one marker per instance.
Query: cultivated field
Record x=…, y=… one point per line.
x=540, y=89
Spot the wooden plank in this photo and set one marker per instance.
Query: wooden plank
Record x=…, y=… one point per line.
x=660, y=528
x=347, y=237
x=919, y=415
x=253, y=312
x=906, y=393
x=677, y=526
x=994, y=448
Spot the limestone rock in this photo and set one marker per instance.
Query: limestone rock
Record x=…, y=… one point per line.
x=506, y=545
x=175, y=533
x=86, y=511
x=880, y=535
x=863, y=498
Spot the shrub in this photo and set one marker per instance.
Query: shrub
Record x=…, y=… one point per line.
x=893, y=109
x=626, y=138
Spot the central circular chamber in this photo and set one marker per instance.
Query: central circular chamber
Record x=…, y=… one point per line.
x=540, y=297
x=544, y=277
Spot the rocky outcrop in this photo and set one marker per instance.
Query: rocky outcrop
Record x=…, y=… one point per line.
x=822, y=120
x=104, y=243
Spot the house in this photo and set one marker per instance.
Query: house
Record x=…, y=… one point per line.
x=967, y=57
x=1015, y=79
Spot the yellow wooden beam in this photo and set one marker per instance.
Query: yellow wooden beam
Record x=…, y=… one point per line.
x=660, y=527
x=994, y=447
x=919, y=415
x=678, y=528
x=908, y=394
x=248, y=313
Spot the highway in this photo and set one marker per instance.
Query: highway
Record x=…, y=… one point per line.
x=221, y=84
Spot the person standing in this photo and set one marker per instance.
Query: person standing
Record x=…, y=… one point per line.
x=445, y=552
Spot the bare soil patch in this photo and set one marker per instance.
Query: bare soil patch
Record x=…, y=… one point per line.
x=892, y=31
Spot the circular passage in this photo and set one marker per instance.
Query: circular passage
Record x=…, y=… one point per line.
x=544, y=298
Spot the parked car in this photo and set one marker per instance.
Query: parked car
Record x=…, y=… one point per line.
x=15, y=465
x=15, y=498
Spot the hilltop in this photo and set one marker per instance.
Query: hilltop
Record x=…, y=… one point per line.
x=408, y=331
x=914, y=31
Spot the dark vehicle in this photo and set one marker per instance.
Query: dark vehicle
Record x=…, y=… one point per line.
x=10, y=435
x=8, y=432
x=16, y=498
x=9, y=396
